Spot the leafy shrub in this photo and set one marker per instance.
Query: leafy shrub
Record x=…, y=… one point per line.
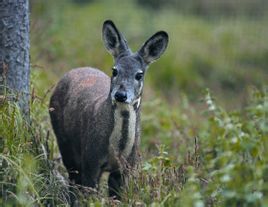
x=227, y=165
x=234, y=153
x=191, y=156
x=224, y=164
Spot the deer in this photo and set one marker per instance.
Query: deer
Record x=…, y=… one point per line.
x=96, y=118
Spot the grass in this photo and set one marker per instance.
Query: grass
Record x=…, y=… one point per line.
x=200, y=147
x=224, y=164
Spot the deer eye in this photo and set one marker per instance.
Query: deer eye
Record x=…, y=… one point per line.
x=139, y=76
x=115, y=71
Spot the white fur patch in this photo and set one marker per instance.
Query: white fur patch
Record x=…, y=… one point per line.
x=117, y=130
x=116, y=133
x=138, y=102
x=131, y=132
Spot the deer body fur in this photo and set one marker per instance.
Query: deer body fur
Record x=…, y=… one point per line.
x=96, y=118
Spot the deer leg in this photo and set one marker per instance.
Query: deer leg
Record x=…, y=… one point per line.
x=70, y=158
x=115, y=182
x=91, y=173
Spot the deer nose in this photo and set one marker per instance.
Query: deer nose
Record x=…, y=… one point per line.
x=120, y=96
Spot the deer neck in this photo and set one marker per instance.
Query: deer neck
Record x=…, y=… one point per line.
x=124, y=133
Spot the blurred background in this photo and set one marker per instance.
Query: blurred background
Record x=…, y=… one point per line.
x=204, y=110
x=220, y=45
x=216, y=44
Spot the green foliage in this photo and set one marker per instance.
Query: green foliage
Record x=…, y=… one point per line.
x=227, y=165
x=211, y=8
x=194, y=154
x=227, y=55
x=27, y=177
x=224, y=164
x=235, y=156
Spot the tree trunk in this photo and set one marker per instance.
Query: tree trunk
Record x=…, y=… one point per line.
x=14, y=51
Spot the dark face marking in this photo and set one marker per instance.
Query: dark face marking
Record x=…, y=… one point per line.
x=125, y=114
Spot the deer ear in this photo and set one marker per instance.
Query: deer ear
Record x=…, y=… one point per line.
x=154, y=47
x=114, y=42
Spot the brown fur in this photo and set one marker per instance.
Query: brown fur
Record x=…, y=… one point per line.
x=96, y=118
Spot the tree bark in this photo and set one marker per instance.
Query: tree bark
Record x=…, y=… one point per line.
x=14, y=51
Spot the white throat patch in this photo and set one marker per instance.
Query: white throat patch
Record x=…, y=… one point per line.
x=138, y=102
x=129, y=129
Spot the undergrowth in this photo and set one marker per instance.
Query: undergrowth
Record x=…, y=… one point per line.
x=226, y=163
x=194, y=154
